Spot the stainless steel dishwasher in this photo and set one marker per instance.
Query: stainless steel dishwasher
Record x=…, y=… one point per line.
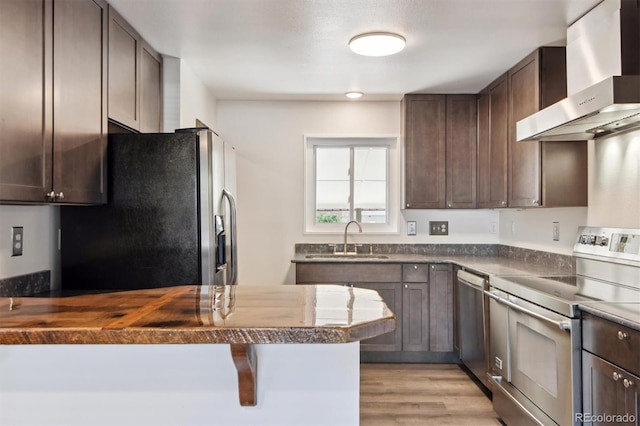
x=472, y=323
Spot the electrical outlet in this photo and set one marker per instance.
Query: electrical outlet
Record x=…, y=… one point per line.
x=411, y=227
x=439, y=228
x=17, y=243
x=493, y=227
x=556, y=231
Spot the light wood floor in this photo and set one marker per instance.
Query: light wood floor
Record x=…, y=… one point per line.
x=421, y=394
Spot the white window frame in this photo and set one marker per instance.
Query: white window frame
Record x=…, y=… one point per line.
x=393, y=182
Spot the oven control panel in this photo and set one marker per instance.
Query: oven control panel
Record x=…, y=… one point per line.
x=620, y=243
x=594, y=240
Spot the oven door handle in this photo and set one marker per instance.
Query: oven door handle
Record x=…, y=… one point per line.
x=563, y=325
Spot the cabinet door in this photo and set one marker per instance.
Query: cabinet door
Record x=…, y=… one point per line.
x=492, y=144
x=79, y=100
x=25, y=112
x=440, y=308
x=632, y=397
x=391, y=293
x=524, y=157
x=461, y=137
x=607, y=389
x=425, y=147
x=415, y=317
x=483, y=167
x=124, y=77
x=150, y=90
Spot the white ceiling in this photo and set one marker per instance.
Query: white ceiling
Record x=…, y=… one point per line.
x=297, y=49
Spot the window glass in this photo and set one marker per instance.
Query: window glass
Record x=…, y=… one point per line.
x=370, y=184
x=349, y=178
x=341, y=195
x=332, y=184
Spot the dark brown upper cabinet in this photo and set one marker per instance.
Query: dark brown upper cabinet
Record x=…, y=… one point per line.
x=440, y=151
x=493, y=125
x=461, y=151
x=135, y=78
x=53, y=141
x=150, y=90
x=548, y=174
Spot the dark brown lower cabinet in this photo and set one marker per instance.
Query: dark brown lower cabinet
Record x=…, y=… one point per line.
x=420, y=295
x=610, y=372
x=609, y=393
x=415, y=314
x=392, y=295
x=441, y=308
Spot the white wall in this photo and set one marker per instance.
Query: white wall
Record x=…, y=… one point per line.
x=614, y=181
x=40, y=250
x=170, y=93
x=614, y=200
x=268, y=137
x=196, y=100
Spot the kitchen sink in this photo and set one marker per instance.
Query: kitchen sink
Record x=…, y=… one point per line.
x=346, y=256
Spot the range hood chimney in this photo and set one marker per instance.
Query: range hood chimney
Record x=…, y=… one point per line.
x=603, y=78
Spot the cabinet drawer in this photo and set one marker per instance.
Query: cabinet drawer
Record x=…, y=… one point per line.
x=415, y=273
x=312, y=273
x=611, y=341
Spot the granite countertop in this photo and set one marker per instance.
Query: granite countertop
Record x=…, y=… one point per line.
x=198, y=314
x=483, y=264
x=623, y=313
x=486, y=260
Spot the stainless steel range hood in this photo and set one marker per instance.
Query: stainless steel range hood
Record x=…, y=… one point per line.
x=603, y=78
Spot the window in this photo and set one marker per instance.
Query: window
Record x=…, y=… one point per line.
x=350, y=178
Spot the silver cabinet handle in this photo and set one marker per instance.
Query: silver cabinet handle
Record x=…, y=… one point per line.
x=504, y=203
x=449, y=205
x=535, y=202
x=627, y=383
x=616, y=376
x=622, y=335
x=563, y=325
x=408, y=205
x=406, y=286
x=53, y=196
x=415, y=266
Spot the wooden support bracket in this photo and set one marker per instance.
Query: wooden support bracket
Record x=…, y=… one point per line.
x=244, y=357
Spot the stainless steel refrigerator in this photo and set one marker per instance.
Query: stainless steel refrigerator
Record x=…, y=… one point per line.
x=170, y=218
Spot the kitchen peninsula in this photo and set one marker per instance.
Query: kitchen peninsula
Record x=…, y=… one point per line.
x=162, y=356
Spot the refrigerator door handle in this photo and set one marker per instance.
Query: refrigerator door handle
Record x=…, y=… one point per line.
x=232, y=278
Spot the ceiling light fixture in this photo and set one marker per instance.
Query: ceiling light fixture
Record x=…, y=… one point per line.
x=354, y=95
x=377, y=44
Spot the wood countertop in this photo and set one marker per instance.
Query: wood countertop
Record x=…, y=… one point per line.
x=199, y=314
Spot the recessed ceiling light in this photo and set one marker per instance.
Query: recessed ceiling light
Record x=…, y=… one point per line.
x=377, y=44
x=353, y=95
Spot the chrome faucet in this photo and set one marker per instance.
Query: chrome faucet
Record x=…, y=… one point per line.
x=345, y=235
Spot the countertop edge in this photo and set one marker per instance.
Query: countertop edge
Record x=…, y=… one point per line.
x=247, y=335
x=599, y=312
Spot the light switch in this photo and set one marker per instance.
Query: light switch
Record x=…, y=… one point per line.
x=411, y=227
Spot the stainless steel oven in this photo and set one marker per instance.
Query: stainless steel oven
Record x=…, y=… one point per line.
x=533, y=359
x=535, y=346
